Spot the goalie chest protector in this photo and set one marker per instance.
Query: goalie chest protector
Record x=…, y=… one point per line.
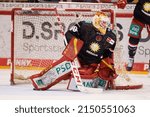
x=95, y=44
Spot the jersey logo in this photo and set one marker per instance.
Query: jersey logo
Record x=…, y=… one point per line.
x=94, y=47
x=134, y=30
x=146, y=7
x=110, y=40
x=98, y=38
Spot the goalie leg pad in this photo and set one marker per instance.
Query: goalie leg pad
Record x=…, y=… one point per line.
x=89, y=78
x=51, y=75
x=58, y=69
x=90, y=81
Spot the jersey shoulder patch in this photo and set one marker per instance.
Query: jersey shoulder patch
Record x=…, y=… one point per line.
x=110, y=40
x=74, y=28
x=111, y=37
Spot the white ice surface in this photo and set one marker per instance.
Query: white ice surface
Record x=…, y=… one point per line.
x=59, y=92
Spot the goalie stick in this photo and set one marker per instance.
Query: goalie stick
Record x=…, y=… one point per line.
x=74, y=67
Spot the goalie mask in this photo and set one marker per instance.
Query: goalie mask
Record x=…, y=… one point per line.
x=101, y=22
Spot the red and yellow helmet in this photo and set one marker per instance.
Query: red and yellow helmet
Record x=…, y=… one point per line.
x=101, y=22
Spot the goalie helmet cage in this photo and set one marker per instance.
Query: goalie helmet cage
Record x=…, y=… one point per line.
x=36, y=39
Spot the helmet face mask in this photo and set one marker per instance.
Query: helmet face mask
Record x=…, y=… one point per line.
x=101, y=22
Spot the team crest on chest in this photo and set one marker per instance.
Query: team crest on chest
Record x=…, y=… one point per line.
x=98, y=38
x=94, y=47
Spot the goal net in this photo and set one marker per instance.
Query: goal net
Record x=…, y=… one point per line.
x=37, y=40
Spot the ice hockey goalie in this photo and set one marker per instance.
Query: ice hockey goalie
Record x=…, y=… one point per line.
x=93, y=44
